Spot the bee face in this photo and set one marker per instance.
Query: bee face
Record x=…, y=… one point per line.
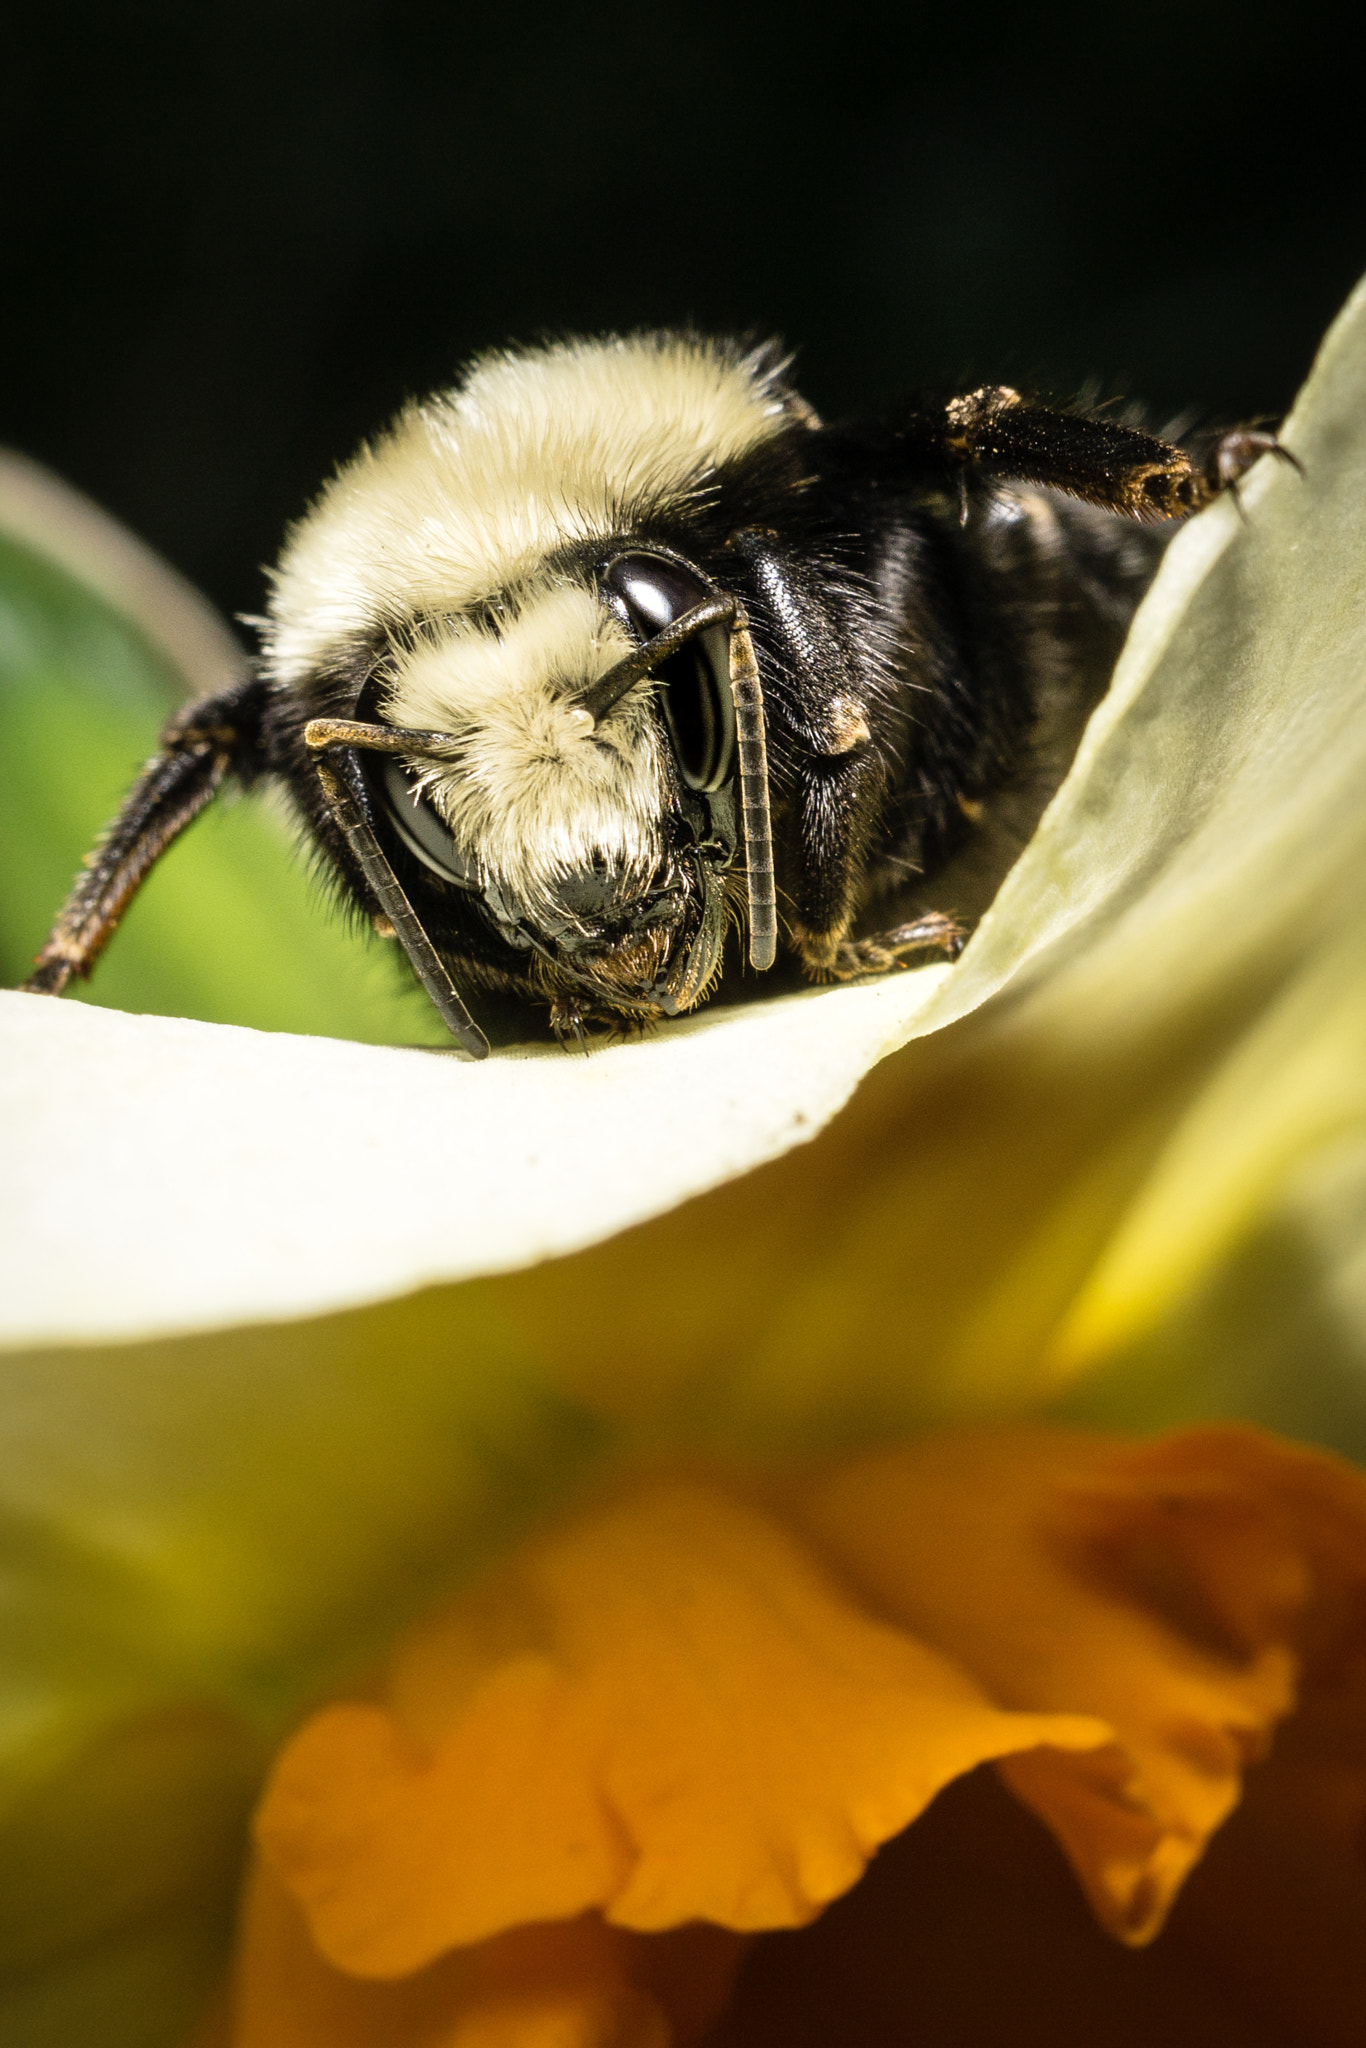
x=594, y=850
x=500, y=556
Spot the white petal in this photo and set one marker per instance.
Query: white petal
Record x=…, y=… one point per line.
x=164, y=1175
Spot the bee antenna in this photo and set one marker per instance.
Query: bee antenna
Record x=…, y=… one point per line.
x=608, y=690
x=751, y=743
x=756, y=822
x=344, y=793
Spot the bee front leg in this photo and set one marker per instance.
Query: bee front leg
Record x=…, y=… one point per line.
x=208, y=740
x=862, y=959
x=568, y=1022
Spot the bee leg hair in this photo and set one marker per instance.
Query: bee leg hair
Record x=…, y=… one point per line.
x=994, y=434
x=217, y=735
x=831, y=959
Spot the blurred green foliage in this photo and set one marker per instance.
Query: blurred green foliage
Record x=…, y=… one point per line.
x=230, y=927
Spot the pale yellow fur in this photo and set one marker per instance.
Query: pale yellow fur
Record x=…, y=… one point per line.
x=459, y=506
x=530, y=793
x=468, y=492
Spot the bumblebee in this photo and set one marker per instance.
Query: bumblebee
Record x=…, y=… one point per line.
x=616, y=649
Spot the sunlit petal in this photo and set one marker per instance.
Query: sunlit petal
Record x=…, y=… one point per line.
x=683, y=1706
x=665, y=1710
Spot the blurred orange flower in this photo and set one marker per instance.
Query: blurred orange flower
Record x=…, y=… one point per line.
x=694, y=1711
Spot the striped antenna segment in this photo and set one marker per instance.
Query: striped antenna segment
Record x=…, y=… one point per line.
x=756, y=821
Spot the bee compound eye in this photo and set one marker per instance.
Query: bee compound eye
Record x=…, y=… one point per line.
x=699, y=710
x=654, y=590
x=694, y=693
x=416, y=822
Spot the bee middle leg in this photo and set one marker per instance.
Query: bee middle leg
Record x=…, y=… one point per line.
x=1233, y=455
x=995, y=434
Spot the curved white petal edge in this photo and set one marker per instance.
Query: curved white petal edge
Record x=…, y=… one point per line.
x=164, y=1175
x=161, y=1176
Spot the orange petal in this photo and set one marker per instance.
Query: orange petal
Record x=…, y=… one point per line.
x=667, y=1710
x=970, y=1927
x=1172, y=1588
x=573, y=1984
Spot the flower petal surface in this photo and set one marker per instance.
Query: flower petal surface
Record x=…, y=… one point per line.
x=668, y=1712
x=691, y=1704
x=1164, y=1586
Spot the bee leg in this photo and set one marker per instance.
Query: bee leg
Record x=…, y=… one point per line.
x=1233, y=455
x=861, y=959
x=218, y=735
x=566, y=1021
x=995, y=434
x=933, y=933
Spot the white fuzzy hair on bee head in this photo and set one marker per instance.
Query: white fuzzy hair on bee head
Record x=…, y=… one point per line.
x=534, y=791
x=468, y=493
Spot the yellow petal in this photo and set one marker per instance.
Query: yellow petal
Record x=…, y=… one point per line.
x=685, y=1707
x=667, y=1709
x=1291, y=1093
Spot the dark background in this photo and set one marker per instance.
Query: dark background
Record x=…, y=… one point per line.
x=237, y=236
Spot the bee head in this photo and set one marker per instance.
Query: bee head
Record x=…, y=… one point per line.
x=568, y=809
x=577, y=774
